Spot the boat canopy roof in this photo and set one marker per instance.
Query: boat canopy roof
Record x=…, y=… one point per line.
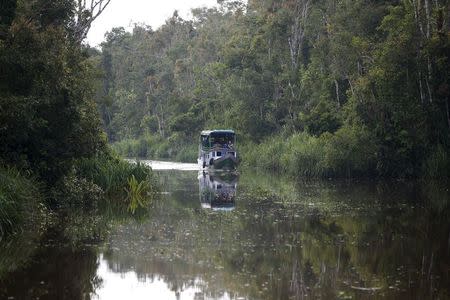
x=209, y=132
x=220, y=137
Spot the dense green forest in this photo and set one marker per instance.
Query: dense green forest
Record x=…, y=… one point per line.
x=313, y=88
x=53, y=150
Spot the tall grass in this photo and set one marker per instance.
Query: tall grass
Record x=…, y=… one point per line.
x=121, y=180
x=155, y=147
x=20, y=199
x=144, y=147
x=347, y=153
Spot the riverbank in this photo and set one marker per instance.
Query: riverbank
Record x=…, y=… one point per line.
x=347, y=153
x=93, y=182
x=21, y=201
x=157, y=148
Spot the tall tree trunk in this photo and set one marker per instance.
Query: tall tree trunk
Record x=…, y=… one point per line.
x=425, y=35
x=416, y=4
x=430, y=97
x=159, y=114
x=422, y=94
x=336, y=84
x=428, y=16
x=297, y=34
x=351, y=86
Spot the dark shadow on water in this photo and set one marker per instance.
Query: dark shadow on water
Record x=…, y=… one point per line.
x=281, y=240
x=53, y=271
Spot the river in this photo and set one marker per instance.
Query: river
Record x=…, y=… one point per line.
x=244, y=236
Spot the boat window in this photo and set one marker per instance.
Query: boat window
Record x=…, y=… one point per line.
x=204, y=141
x=224, y=139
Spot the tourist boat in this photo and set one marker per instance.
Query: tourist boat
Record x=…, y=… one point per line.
x=217, y=149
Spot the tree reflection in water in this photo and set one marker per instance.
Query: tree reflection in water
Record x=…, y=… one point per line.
x=283, y=240
x=53, y=271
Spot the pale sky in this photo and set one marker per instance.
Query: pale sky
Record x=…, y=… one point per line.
x=151, y=12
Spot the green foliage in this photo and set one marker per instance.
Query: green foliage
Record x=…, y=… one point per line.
x=118, y=179
x=350, y=152
x=368, y=79
x=154, y=147
x=138, y=194
x=322, y=118
x=20, y=200
x=304, y=156
x=47, y=116
x=73, y=191
x=187, y=153
x=145, y=147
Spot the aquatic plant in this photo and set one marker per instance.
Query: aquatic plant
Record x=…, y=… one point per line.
x=139, y=194
x=120, y=179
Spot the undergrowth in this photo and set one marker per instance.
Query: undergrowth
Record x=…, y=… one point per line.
x=20, y=200
x=131, y=183
x=153, y=147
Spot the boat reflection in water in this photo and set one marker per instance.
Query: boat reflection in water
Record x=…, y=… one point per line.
x=217, y=190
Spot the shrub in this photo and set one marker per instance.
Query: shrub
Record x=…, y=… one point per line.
x=20, y=200
x=76, y=191
x=117, y=177
x=349, y=152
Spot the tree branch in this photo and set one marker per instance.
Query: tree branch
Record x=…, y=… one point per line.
x=85, y=15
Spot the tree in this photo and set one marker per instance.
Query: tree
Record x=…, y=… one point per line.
x=47, y=116
x=86, y=11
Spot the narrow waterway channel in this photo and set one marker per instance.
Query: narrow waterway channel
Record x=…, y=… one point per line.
x=245, y=236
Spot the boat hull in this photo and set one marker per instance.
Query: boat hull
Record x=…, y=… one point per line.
x=227, y=162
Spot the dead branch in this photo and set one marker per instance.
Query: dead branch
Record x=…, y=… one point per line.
x=86, y=11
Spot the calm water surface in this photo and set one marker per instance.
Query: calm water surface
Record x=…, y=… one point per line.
x=246, y=236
